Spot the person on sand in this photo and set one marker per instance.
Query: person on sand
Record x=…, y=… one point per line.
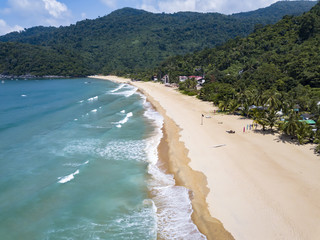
x=244, y=129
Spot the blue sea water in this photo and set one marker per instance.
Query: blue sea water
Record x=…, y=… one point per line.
x=78, y=160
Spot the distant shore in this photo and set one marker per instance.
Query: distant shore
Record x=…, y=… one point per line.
x=28, y=76
x=259, y=185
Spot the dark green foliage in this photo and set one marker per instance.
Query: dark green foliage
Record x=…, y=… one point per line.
x=279, y=56
x=129, y=40
x=20, y=59
x=189, y=87
x=273, y=72
x=277, y=9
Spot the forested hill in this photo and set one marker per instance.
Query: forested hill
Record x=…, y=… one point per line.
x=278, y=57
x=129, y=40
x=273, y=13
x=272, y=76
x=18, y=59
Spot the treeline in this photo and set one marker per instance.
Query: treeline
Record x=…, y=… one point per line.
x=23, y=59
x=272, y=76
x=277, y=56
x=130, y=40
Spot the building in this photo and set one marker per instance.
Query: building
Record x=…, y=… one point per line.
x=182, y=78
x=199, y=79
x=165, y=79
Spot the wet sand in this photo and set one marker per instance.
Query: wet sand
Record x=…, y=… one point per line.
x=259, y=186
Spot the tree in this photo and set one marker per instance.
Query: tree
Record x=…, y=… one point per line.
x=272, y=99
x=233, y=105
x=271, y=118
x=304, y=133
x=307, y=27
x=259, y=117
x=223, y=105
x=291, y=126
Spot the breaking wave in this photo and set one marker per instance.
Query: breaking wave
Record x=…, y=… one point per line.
x=68, y=178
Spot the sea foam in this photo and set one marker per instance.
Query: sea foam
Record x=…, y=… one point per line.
x=76, y=164
x=128, y=91
x=123, y=121
x=118, y=88
x=69, y=177
x=173, y=204
x=92, y=99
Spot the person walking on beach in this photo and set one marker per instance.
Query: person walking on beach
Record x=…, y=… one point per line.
x=202, y=119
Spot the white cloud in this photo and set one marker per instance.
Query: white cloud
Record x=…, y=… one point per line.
x=40, y=12
x=25, y=5
x=177, y=5
x=83, y=15
x=55, y=8
x=149, y=5
x=221, y=6
x=5, y=28
x=110, y=3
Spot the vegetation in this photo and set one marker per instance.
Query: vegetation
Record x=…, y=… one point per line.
x=272, y=76
x=23, y=59
x=130, y=40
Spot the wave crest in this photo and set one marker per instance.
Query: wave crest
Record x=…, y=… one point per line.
x=69, y=177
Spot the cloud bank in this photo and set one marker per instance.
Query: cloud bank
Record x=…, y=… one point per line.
x=5, y=28
x=55, y=8
x=221, y=6
x=110, y=3
x=35, y=13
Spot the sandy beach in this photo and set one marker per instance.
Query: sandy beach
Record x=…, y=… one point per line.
x=246, y=185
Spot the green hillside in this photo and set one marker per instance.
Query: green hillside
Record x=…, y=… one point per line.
x=281, y=55
x=23, y=59
x=277, y=10
x=130, y=40
x=272, y=76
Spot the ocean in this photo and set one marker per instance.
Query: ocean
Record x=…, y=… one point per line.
x=79, y=161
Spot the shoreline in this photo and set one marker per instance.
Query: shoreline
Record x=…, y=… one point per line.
x=173, y=159
x=259, y=185
x=173, y=155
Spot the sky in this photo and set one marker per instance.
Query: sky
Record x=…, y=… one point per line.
x=15, y=15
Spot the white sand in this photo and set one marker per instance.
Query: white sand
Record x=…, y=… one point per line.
x=261, y=187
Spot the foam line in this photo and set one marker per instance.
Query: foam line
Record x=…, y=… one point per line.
x=118, y=88
x=68, y=178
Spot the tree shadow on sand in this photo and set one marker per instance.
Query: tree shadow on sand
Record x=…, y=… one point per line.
x=284, y=138
x=279, y=137
x=293, y=140
x=266, y=132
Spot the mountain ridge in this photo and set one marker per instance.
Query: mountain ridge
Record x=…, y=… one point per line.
x=129, y=40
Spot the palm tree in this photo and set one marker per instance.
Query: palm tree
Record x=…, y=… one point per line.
x=304, y=133
x=223, y=105
x=259, y=116
x=272, y=99
x=317, y=136
x=233, y=105
x=271, y=118
x=252, y=95
x=245, y=109
x=291, y=126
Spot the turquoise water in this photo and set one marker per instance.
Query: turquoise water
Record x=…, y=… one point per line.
x=78, y=160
